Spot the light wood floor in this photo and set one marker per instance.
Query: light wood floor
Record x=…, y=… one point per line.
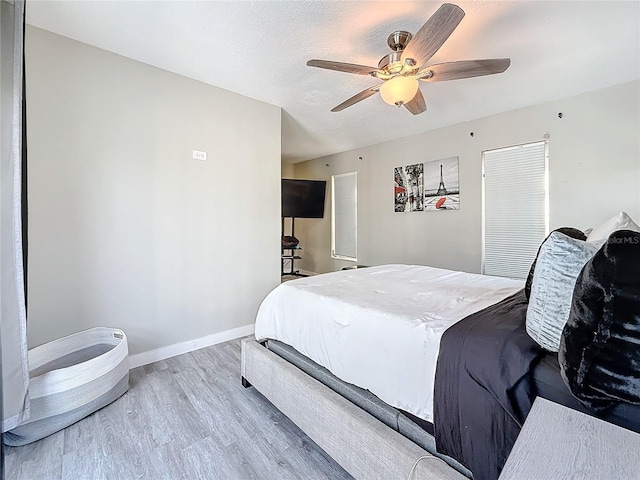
x=187, y=417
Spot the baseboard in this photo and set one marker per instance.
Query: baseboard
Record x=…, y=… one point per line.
x=307, y=272
x=162, y=353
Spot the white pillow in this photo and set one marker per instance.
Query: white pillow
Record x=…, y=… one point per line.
x=622, y=221
x=558, y=265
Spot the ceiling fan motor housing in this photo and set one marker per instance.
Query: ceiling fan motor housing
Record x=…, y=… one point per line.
x=389, y=60
x=397, y=41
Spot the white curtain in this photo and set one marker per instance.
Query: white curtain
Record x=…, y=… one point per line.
x=13, y=322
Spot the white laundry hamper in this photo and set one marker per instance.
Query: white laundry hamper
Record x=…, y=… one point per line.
x=71, y=378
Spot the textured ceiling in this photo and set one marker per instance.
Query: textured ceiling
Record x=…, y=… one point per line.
x=259, y=49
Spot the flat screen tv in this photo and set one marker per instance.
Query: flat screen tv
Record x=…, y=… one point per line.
x=303, y=198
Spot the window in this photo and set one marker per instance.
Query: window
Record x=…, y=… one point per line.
x=344, y=216
x=515, y=207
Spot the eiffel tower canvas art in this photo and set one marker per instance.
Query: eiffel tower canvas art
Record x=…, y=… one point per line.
x=441, y=185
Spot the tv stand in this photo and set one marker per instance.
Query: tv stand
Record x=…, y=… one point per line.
x=289, y=253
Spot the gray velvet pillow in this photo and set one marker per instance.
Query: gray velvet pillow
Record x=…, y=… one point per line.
x=558, y=265
x=570, y=232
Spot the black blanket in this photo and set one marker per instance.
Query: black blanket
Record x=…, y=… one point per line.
x=482, y=388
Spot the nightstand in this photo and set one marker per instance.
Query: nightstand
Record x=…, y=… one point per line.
x=559, y=443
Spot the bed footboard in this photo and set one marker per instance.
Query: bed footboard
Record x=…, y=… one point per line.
x=362, y=445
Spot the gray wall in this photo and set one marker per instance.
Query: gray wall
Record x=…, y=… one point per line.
x=126, y=230
x=288, y=170
x=594, y=173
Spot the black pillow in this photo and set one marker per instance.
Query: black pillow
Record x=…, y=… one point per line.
x=568, y=231
x=600, y=345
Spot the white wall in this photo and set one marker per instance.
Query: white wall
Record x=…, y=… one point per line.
x=594, y=173
x=125, y=229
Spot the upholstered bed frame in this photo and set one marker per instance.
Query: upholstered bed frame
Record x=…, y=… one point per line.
x=361, y=444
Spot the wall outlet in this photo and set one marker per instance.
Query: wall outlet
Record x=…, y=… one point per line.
x=198, y=155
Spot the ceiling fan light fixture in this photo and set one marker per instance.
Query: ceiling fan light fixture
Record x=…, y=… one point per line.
x=399, y=90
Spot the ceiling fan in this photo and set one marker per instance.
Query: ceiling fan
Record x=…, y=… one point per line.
x=401, y=69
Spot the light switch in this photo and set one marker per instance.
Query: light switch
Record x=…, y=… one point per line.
x=198, y=155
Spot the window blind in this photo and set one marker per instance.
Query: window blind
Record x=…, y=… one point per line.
x=515, y=208
x=344, y=216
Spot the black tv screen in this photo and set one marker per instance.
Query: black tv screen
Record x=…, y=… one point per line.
x=303, y=198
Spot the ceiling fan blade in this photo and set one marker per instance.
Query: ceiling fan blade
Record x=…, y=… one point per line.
x=417, y=105
x=466, y=69
x=342, y=67
x=426, y=42
x=356, y=98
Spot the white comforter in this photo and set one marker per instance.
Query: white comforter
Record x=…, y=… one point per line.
x=378, y=328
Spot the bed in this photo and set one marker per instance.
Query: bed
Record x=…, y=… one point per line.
x=378, y=329
x=378, y=365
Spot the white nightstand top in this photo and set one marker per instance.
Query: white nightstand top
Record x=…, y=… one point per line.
x=558, y=443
